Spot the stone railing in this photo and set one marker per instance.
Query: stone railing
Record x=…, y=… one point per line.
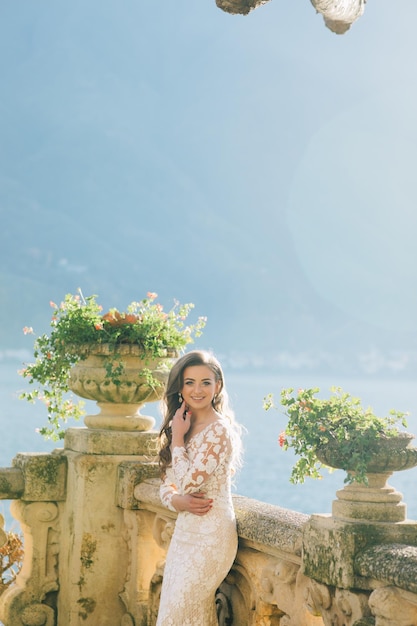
x=96, y=536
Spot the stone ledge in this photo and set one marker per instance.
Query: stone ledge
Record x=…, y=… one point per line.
x=266, y=527
x=44, y=476
x=394, y=564
x=12, y=483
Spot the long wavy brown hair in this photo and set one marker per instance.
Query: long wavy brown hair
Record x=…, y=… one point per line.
x=172, y=403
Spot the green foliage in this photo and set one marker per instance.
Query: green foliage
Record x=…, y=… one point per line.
x=314, y=423
x=77, y=323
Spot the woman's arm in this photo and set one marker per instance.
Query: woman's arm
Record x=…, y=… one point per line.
x=167, y=492
x=215, y=448
x=196, y=503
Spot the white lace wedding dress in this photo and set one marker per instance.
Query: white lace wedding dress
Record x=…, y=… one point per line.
x=202, y=548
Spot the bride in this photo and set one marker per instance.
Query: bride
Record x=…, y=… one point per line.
x=200, y=448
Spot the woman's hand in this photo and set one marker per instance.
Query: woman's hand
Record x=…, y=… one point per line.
x=196, y=503
x=180, y=425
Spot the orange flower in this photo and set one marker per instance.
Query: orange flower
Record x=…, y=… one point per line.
x=151, y=295
x=113, y=317
x=28, y=330
x=98, y=326
x=281, y=438
x=130, y=318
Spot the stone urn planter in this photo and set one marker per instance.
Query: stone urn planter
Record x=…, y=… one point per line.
x=374, y=500
x=339, y=432
x=120, y=359
x=389, y=454
x=121, y=380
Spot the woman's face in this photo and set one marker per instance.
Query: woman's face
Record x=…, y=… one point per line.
x=199, y=387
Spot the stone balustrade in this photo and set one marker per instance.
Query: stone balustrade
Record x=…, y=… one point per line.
x=96, y=536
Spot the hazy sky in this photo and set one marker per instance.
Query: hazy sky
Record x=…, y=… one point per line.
x=261, y=131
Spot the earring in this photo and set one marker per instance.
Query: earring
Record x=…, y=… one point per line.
x=179, y=397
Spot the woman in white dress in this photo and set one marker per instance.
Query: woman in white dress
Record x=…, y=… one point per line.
x=200, y=447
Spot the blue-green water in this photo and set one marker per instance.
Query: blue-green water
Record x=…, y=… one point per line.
x=266, y=470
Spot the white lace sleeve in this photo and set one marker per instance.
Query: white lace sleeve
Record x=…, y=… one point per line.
x=214, y=449
x=166, y=491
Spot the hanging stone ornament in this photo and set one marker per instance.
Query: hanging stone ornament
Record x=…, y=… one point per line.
x=239, y=7
x=339, y=15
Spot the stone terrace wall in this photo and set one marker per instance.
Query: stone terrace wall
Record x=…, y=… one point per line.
x=96, y=536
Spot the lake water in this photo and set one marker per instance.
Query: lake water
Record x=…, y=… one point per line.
x=266, y=470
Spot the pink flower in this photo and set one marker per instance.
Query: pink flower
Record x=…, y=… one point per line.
x=151, y=295
x=28, y=330
x=281, y=438
x=52, y=304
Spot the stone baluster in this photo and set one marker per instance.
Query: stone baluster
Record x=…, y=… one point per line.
x=145, y=549
x=32, y=599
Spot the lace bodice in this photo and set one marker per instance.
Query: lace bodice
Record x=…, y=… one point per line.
x=203, y=464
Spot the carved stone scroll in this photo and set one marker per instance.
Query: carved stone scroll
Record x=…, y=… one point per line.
x=392, y=608
x=32, y=599
x=338, y=607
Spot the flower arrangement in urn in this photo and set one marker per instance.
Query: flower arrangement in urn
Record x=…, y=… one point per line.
x=320, y=430
x=80, y=327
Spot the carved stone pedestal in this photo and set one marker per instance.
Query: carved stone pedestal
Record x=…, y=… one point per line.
x=96, y=550
x=377, y=501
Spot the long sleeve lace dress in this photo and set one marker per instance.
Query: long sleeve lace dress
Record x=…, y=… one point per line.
x=202, y=548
